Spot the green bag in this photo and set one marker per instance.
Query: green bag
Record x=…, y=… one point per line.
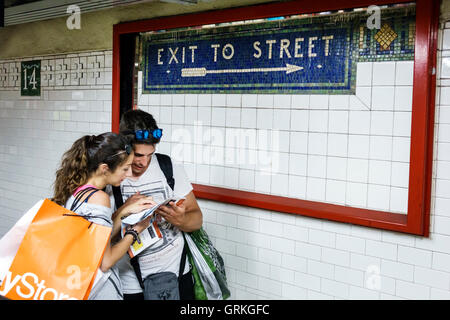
x=208, y=268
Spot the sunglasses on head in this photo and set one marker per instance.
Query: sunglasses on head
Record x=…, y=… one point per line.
x=128, y=149
x=144, y=134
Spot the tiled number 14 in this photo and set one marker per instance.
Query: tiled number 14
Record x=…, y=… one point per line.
x=32, y=81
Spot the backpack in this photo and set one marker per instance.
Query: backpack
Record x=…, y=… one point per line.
x=165, y=163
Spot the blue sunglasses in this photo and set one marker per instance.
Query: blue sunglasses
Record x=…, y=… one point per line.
x=144, y=134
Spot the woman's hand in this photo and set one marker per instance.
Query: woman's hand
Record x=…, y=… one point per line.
x=135, y=204
x=115, y=252
x=142, y=225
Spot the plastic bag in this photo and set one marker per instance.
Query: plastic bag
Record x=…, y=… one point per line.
x=210, y=281
x=10, y=242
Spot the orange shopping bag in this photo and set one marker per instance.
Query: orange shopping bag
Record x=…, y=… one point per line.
x=58, y=257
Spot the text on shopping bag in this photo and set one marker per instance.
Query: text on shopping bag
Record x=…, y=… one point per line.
x=58, y=257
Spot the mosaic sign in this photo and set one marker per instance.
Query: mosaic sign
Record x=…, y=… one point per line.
x=30, y=78
x=295, y=55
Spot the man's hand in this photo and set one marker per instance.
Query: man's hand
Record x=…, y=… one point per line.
x=175, y=215
x=187, y=216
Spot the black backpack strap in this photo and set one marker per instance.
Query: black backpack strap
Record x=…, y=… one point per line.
x=165, y=163
x=183, y=261
x=137, y=269
x=118, y=199
x=134, y=261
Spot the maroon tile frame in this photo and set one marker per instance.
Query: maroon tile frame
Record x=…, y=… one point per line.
x=419, y=197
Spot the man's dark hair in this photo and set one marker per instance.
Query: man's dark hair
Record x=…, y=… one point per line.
x=134, y=120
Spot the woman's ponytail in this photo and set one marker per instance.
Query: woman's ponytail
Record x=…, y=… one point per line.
x=73, y=171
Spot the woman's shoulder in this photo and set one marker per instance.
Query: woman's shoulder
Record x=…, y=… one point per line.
x=100, y=198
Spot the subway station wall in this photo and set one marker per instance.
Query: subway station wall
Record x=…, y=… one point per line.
x=35, y=131
x=268, y=255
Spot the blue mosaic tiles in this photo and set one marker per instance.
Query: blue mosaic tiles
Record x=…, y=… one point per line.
x=316, y=54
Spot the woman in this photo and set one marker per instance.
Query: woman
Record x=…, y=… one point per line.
x=92, y=163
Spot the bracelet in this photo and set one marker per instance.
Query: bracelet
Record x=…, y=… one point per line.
x=135, y=235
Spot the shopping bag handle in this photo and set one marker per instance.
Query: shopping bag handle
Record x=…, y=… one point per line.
x=85, y=217
x=76, y=203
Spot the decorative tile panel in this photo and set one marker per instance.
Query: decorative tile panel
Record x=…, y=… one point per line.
x=314, y=54
x=83, y=70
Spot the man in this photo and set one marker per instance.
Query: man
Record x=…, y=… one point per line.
x=160, y=263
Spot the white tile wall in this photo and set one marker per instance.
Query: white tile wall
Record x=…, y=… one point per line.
x=35, y=131
x=268, y=255
x=346, y=149
x=322, y=142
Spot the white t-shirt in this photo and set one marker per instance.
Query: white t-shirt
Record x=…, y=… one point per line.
x=164, y=255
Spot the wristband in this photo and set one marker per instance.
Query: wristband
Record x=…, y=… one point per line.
x=134, y=234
